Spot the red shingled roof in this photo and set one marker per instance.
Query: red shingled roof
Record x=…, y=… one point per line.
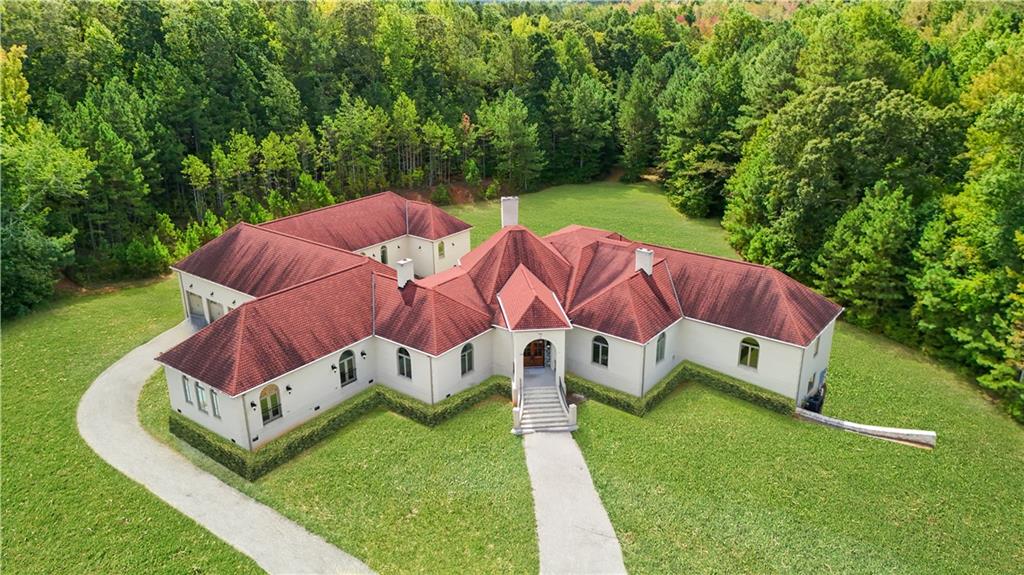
x=423, y=318
x=526, y=303
x=370, y=220
x=272, y=335
x=492, y=262
x=747, y=297
x=258, y=261
x=636, y=307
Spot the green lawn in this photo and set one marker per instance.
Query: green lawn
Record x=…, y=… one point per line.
x=64, y=510
x=400, y=496
x=638, y=211
x=703, y=483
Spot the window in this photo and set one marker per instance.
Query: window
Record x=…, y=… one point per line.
x=599, y=351
x=817, y=345
x=270, y=403
x=215, y=402
x=347, y=368
x=661, y=349
x=195, y=304
x=810, y=383
x=440, y=250
x=186, y=389
x=383, y=254
x=749, y=351
x=467, y=358
x=200, y=397
x=216, y=310
x=404, y=363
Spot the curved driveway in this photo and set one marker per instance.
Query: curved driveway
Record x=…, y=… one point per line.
x=108, y=420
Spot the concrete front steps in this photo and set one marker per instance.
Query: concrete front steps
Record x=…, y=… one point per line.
x=542, y=411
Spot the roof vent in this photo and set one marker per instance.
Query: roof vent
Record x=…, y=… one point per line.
x=645, y=260
x=404, y=268
x=509, y=211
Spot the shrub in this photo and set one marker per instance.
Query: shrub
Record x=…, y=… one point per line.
x=741, y=389
x=686, y=371
x=493, y=190
x=252, y=465
x=441, y=196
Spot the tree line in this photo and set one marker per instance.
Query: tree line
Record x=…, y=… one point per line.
x=870, y=149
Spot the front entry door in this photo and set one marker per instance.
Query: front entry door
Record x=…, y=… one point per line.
x=533, y=355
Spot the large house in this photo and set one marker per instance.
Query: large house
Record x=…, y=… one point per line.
x=306, y=311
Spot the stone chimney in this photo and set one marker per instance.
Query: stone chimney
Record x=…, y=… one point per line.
x=509, y=211
x=404, y=268
x=645, y=260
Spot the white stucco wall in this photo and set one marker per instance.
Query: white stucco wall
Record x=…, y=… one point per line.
x=625, y=360
x=209, y=291
x=231, y=423
x=717, y=347
x=398, y=249
x=315, y=389
x=501, y=351
x=654, y=370
x=447, y=368
x=386, y=358
x=456, y=246
x=814, y=364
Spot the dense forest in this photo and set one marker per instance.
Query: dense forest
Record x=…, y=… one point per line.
x=873, y=150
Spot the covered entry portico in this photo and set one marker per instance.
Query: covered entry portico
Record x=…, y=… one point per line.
x=538, y=391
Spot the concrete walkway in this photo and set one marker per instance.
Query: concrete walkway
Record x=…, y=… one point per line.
x=108, y=420
x=573, y=530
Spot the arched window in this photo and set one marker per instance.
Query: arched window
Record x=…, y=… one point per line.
x=661, y=348
x=599, y=351
x=467, y=358
x=347, y=368
x=440, y=249
x=749, y=352
x=404, y=363
x=270, y=403
x=383, y=254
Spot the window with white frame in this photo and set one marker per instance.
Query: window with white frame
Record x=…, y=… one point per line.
x=440, y=249
x=347, y=368
x=215, y=402
x=467, y=358
x=200, y=397
x=186, y=389
x=270, y=403
x=404, y=363
x=599, y=351
x=817, y=345
x=749, y=352
x=383, y=254
x=660, y=355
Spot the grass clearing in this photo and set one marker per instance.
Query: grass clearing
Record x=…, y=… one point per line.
x=401, y=496
x=638, y=211
x=64, y=509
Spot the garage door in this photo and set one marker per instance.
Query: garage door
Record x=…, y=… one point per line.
x=216, y=310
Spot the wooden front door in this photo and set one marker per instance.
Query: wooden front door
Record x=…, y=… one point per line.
x=533, y=355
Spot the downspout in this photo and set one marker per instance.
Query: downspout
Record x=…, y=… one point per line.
x=432, y=399
x=800, y=377
x=245, y=416
x=643, y=370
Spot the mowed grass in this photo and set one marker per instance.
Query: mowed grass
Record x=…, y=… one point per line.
x=63, y=509
x=709, y=483
x=400, y=496
x=638, y=211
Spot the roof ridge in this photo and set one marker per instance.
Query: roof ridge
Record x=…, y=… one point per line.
x=302, y=239
x=307, y=282
x=238, y=343
x=322, y=208
x=606, y=288
x=446, y=296
x=703, y=255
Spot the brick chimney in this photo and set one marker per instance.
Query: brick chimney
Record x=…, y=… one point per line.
x=509, y=211
x=644, y=260
x=404, y=268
